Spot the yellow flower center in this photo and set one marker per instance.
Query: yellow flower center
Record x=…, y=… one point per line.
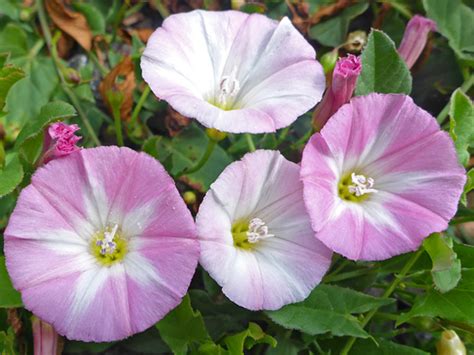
x=247, y=234
x=356, y=188
x=108, y=245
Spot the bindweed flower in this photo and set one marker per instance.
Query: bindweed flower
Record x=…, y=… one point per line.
x=233, y=71
x=415, y=38
x=100, y=244
x=380, y=177
x=60, y=141
x=255, y=235
x=344, y=80
x=45, y=339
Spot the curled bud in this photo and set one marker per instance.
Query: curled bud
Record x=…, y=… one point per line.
x=415, y=38
x=46, y=340
x=60, y=140
x=450, y=344
x=344, y=80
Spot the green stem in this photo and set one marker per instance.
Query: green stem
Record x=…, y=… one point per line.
x=102, y=69
x=250, y=143
x=464, y=88
x=138, y=107
x=118, y=124
x=161, y=8
x=398, y=278
x=210, y=148
x=57, y=63
x=347, y=275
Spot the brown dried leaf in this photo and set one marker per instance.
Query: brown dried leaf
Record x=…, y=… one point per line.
x=71, y=22
x=120, y=79
x=175, y=122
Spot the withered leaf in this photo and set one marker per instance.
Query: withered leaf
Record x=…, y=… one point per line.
x=120, y=79
x=71, y=22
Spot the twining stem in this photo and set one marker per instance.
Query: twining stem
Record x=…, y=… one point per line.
x=464, y=88
x=57, y=63
x=138, y=107
x=398, y=278
x=209, y=149
x=250, y=143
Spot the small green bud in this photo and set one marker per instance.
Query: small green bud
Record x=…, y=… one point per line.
x=328, y=61
x=189, y=197
x=215, y=135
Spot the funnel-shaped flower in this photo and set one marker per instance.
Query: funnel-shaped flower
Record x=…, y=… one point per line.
x=343, y=84
x=255, y=234
x=100, y=244
x=233, y=71
x=414, y=38
x=380, y=177
x=60, y=140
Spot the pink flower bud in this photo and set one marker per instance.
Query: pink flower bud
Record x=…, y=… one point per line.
x=60, y=129
x=46, y=340
x=344, y=80
x=415, y=38
x=59, y=141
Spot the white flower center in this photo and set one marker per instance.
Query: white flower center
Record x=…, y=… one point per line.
x=257, y=231
x=228, y=88
x=362, y=185
x=107, y=244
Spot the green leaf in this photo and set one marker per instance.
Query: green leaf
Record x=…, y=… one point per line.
x=13, y=40
x=9, y=75
x=182, y=327
x=9, y=297
x=11, y=175
x=446, y=271
x=385, y=347
x=468, y=187
x=455, y=305
x=237, y=343
x=29, y=138
x=7, y=342
x=333, y=32
x=328, y=309
x=38, y=87
x=94, y=17
x=383, y=70
x=184, y=151
x=461, y=124
x=466, y=254
x=454, y=21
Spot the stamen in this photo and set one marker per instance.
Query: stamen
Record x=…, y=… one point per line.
x=228, y=87
x=107, y=244
x=362, y=185
x=257, y=231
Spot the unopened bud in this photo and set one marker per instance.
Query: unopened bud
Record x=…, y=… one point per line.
x=215, y=135
x=450, y=344
x=328, y=61
x=355, y=41
x=189, y=197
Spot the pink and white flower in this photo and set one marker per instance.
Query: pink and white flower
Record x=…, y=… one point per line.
x=255, y=234
x=100, y=244
x=233, y=71
x=380, y=177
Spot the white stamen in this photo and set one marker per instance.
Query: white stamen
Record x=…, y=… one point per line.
x=107, y=243
x=257, y=231
x=362, y=185
x=228, y=87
